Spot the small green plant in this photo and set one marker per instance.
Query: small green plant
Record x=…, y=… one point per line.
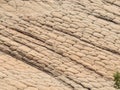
x=117, y=80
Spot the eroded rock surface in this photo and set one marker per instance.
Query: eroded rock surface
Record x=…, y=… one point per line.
x=75, y=42
x=16, y=75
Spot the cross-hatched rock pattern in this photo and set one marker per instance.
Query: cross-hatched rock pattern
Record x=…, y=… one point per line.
x=16, y=75
x=74, y=43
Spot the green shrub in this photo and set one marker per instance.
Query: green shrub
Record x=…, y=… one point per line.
x=117, y=80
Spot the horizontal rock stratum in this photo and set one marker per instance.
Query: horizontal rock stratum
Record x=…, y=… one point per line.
x=59, y=44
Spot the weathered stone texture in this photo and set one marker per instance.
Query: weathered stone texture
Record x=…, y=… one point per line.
x=76, y=42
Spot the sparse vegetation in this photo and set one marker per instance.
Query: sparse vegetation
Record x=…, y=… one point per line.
x=117, y=80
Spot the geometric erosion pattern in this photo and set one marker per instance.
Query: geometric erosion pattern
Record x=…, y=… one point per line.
x=59, y=44
x=16, y=75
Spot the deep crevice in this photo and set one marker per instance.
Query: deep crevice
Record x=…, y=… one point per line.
x=35, y=37
x=33, y=64
x=43, y=68
x=79, y=38
x=111, y=3
x=89, y=68
x=79, y=83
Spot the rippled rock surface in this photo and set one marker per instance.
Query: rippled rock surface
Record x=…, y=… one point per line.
x=59, y=44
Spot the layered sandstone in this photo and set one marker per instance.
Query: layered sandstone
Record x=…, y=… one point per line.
x=71, y=44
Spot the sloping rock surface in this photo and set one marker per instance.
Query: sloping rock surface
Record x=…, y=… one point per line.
x=68, y=44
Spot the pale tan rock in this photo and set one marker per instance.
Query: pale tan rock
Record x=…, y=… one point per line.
x=31, y=88
x=57, y=14
x=68, y=44
x=3, y=2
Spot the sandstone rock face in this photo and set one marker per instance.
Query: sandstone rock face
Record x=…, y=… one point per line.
x=17, y=75
x=59, y=44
